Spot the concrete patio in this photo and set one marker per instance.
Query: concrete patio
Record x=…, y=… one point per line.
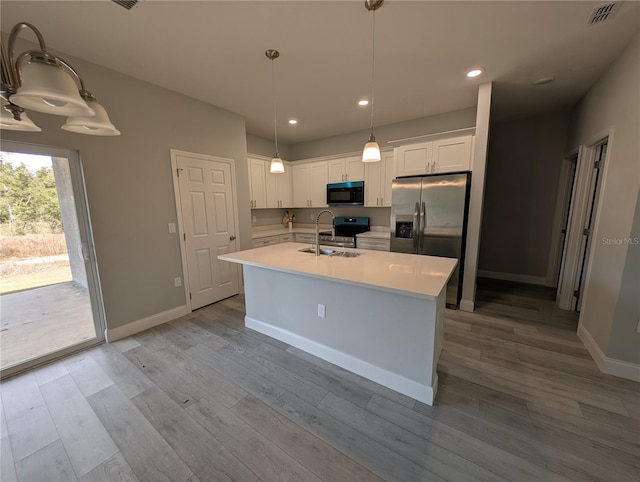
x=42, y=320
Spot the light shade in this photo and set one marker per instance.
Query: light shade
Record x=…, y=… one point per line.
x=371, y=152
x=277, y=167
x=98, y=125
x=49, y=89
x=7, y=122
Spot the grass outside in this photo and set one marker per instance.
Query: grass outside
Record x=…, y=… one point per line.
x=17, y=276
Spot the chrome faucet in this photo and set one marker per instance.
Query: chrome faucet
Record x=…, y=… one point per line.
x=333, y=228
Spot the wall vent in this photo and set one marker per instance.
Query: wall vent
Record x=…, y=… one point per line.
x=128, y=4
x=603, y=12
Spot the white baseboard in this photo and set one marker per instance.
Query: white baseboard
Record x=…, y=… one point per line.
x=142, y=324
x=467, y=305
x=411, y=388
x=519, y=278
x=610, y=366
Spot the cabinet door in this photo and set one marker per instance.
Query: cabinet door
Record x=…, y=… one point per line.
x=283, y=184
x=354, y=168
x=414, y=159
x=300, y=182
x=451, y=155
x=257, y=183
x=318, y=178
x=372, y=182
x=387, y=178
x=271, y=187
x=337, y=171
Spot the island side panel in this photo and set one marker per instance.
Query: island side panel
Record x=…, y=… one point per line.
x=392, y=339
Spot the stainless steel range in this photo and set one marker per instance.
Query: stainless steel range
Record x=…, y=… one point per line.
x=346, y=230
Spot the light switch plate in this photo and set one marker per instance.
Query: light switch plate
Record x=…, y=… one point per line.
x=172, y=228
x=321, y=311
x=177, y=282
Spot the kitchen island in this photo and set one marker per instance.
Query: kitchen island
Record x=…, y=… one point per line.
x=379, y=315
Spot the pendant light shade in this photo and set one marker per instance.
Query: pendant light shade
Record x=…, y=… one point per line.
x=49, y=89
x=97, y=125
x=7, y=122
x=371, y=151
x=277, y=166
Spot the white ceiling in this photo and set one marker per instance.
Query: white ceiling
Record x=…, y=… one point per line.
x=214, y=51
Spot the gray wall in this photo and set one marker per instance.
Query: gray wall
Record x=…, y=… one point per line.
x=355, y=141
x=266, y=147
x=130, y=187
x=610, y=307
x=523, y=171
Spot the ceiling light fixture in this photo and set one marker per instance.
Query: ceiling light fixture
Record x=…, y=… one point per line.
x=363, y=102
x=293, y=121
x=371, y=152
x=544, y=80
x=475, y=72
x=277, y=167
x=43, y=82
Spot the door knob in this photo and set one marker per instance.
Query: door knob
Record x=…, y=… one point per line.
x=232, y=238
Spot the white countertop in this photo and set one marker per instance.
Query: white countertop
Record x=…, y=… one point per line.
x=407, y=274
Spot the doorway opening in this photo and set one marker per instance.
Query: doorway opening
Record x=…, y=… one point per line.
x=49, y=296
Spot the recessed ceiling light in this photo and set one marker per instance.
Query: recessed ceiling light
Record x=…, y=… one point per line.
x=363, y=102
x=293, y=121
x=476, y=71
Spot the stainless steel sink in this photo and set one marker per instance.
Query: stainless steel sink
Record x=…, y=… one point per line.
x=332, y=252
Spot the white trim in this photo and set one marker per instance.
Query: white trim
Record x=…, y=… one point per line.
x=328, y=157
x=610, y=366
x=435, y=135
x=142, y=324
x=411, y=388
x=519, y=278
x=467, y=305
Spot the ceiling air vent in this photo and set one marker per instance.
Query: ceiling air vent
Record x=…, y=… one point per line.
x=603, y=12
x=128, y=4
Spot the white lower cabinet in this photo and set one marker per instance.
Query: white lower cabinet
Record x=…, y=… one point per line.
x=286, y=238
x=266, y=241
x=374, y=243
x=305, y=238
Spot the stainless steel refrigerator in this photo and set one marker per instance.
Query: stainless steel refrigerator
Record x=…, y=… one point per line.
x=429, y=216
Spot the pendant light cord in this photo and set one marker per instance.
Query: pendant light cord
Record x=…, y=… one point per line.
x=275, y=124
x=373, y=69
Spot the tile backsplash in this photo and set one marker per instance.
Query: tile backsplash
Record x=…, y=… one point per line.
x=267, y=217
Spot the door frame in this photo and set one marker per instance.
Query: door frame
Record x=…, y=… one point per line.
x=86, y=233
x=181, y=233
x=577, y=213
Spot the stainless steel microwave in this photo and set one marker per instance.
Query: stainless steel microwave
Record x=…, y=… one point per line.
x=345, y=193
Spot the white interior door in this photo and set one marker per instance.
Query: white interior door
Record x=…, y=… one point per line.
x=209, y=226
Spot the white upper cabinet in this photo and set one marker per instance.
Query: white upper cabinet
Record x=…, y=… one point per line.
x=440, y=156
x=278, y=187
x=451, y=155
x=346, y=169
x=310, y=184
x=378, y=177
x=257, y=183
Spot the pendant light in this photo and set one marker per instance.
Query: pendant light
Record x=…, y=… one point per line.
x=277, y=166
x=371, y=152
x=8, y=122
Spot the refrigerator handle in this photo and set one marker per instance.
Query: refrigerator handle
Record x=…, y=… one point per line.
x=416, y=226
x=423, y=221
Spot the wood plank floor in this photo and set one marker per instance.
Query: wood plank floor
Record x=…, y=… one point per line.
x=203, y=398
